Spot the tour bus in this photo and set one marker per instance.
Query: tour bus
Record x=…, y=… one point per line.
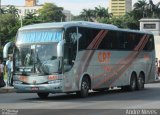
x=79, y=56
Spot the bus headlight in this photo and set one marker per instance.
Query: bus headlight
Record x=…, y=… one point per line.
x=17, y=82
x=53, y=82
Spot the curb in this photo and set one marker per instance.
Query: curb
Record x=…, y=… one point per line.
x=7, y=90
x=156, y=81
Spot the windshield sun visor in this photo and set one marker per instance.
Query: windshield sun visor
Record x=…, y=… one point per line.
x=37, y=36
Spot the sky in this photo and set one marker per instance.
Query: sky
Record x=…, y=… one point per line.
x=75, y=6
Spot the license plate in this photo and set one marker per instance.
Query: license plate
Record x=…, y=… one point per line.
x=34, y=88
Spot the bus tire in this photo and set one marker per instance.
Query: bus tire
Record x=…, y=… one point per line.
x=140, y=82
x=125, y=88
x=43, y=95
x=133, y=82
x=84, y=88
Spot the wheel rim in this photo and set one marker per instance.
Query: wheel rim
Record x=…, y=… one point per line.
x=141, y=83
x=133, y=83
x=85, y=87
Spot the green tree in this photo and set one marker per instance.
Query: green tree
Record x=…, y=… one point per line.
x=31, y=18
x=87, y=14
x=138, y=10
x=101, y=12
x=98, y=14
x=8, y=27
x=138, y=5
x=2, y=11
x=12, y=10
x=51, y=13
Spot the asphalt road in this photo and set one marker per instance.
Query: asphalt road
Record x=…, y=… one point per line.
x=114, y=101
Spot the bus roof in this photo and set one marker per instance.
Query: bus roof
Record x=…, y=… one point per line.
x=68, y=24
x=80, y=24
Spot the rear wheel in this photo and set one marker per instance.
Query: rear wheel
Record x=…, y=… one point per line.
x=140, y=82
x=84, y=88
x=43, y=95
x=133, y=83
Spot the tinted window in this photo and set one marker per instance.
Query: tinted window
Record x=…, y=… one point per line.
x=150, y=44
x=70, y=47
x=110, y=41
x=88, y=34
x=128, y=40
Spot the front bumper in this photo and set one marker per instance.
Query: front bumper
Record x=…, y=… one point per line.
x=41, y=88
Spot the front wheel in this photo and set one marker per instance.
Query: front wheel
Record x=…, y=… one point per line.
x=43, y=95
x=84, y=88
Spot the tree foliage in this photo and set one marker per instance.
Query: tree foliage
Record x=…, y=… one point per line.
x=8, y=27
x=31, y=18
x=51, y=13
x=9, y=23
x=96, y=14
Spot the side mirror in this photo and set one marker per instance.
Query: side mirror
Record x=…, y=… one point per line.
x=60, y=48
x=75, y=36
x=5, y=49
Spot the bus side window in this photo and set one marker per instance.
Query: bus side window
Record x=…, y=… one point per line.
x=87, y=37
x=70, y=46
x=109, y=42
x=150, y=44
x=122, y=41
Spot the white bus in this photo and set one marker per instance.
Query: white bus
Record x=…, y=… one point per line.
x=68, y=57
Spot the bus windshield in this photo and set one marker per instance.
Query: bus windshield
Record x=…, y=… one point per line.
x=41, y=59
x=36, y=51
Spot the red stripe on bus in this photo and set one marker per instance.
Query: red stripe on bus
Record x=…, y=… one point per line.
x=140, y=43
x=100, y=40
x=91, y=45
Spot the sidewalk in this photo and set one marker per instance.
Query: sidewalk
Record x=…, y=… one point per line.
x=7, y=89
x=157, y=80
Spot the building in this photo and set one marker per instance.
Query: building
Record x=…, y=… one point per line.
x=120, y=7
x=32, y=6
x=30, y=3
